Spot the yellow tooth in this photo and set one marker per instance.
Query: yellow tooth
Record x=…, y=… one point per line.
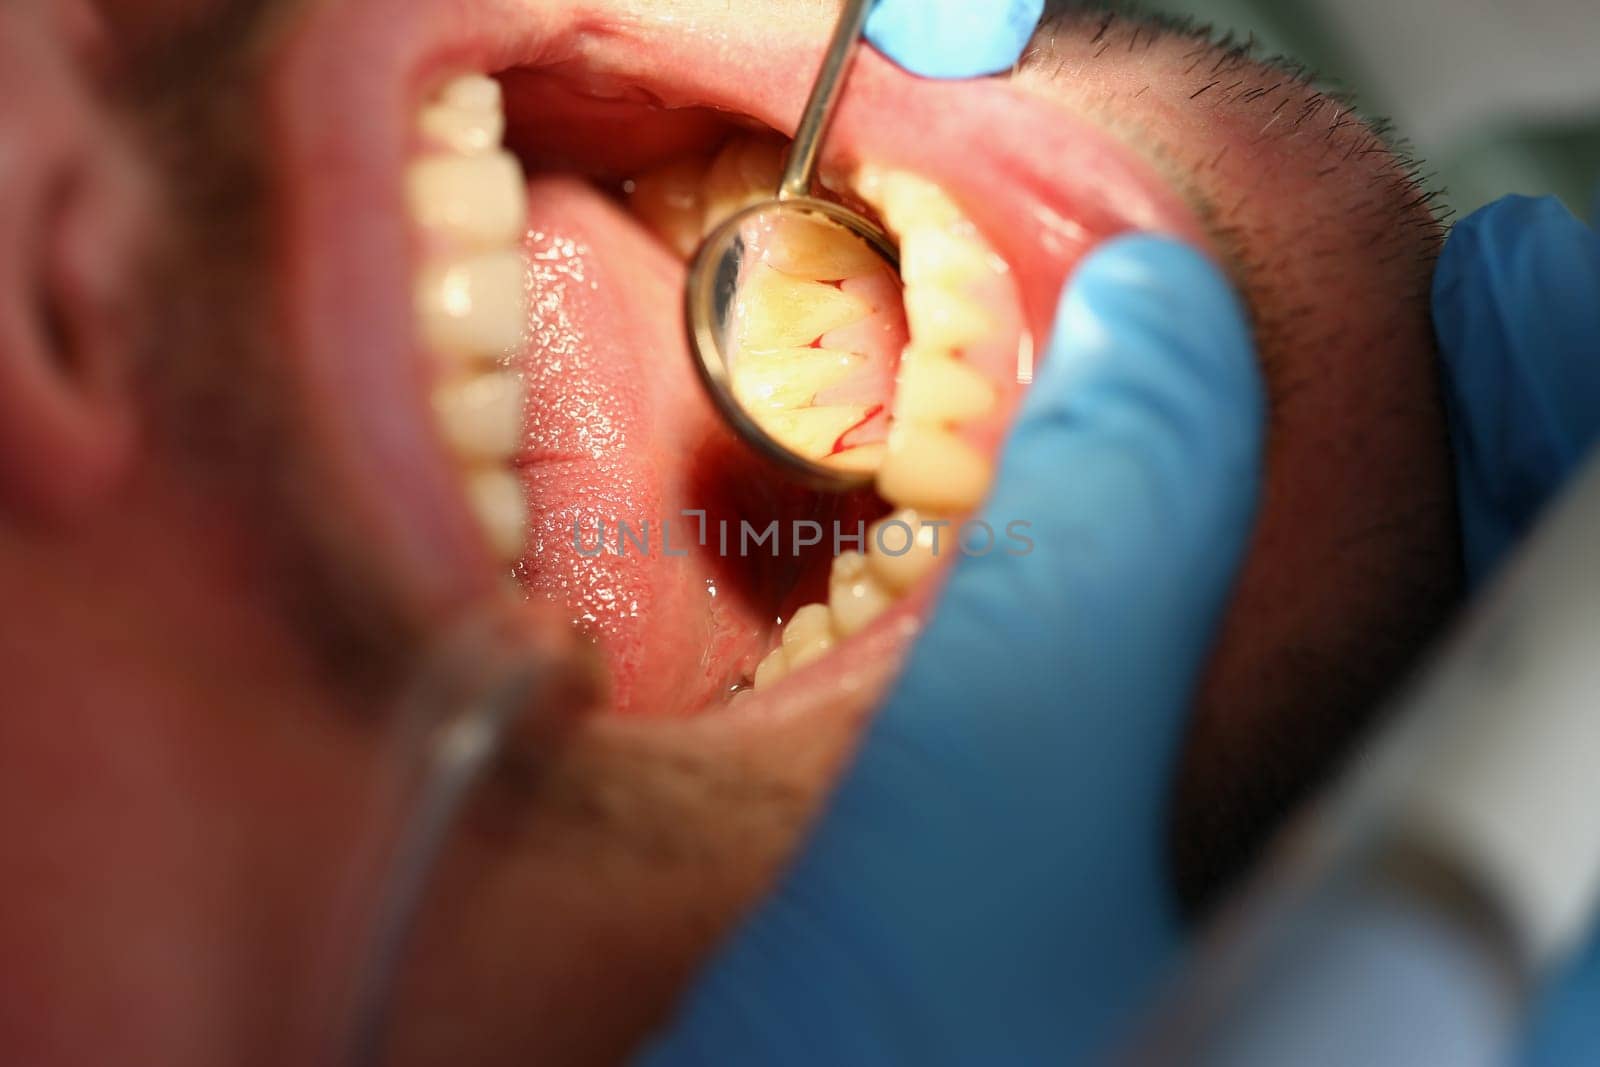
x=932, y=469
x=938, y=318
x=744, y=173
x=481, y=415
x=854, y=596
x=906, y=201
x=863, y=459
x=939, y=259
x=935, y=387
x=466, y=116
x=668, y=201
x=475, y=305
x=496, y=499
x=477, y=200
x=788, y=378
x=777, y=311
x=808, y=637
x=811, y=432
x=810, y=248
x=771, y=669
x=924, y=544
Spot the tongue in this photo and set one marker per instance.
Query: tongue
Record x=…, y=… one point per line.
x=619, y=432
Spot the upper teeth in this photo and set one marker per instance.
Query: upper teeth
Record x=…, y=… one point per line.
x=466, y=115
x=479, y=201
x=468, y=200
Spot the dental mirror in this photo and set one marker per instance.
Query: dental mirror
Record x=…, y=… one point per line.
x=736, y=287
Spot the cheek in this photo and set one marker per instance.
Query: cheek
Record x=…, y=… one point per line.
x=140, y=21
x=1353, y=566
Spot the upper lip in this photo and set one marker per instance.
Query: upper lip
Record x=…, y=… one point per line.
x=1043, y=184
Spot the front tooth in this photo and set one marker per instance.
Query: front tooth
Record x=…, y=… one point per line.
x=932, y=469
x=475, y=305
x=854, y=596
x=496, y=499
x=478, y=200
x=924, y=541
x=906, y=201
x=777, y=311
x=771, y=669
x=942, y=260
x=808, y=637
x=467, y=115
x=934, y=387
x=481, y=415
x=811, y=432
x=938, y=318
x=788, y=378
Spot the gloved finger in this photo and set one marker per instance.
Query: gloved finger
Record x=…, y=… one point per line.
x=1516, y=305
x=997, y=840
x=1053, y=684
x=1134, y=465
x=953, y=38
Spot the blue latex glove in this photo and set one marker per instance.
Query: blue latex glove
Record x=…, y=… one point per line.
x=953, y=38
x=1516, y=304
x=988, y=885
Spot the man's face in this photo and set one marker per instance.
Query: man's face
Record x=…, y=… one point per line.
x=295, y=457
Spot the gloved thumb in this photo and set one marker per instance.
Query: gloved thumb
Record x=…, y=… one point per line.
x=986, y=884
x=1046, y=701
x=1135, y=464
x=1022, y=765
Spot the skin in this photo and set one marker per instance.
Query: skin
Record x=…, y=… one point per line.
x=190, y=824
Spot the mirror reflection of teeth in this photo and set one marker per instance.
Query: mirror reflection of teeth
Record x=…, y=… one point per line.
x=795, y=368
x=468, y=203
x=777, y=310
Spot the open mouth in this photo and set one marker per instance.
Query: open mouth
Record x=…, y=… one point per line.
x=537, y=184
